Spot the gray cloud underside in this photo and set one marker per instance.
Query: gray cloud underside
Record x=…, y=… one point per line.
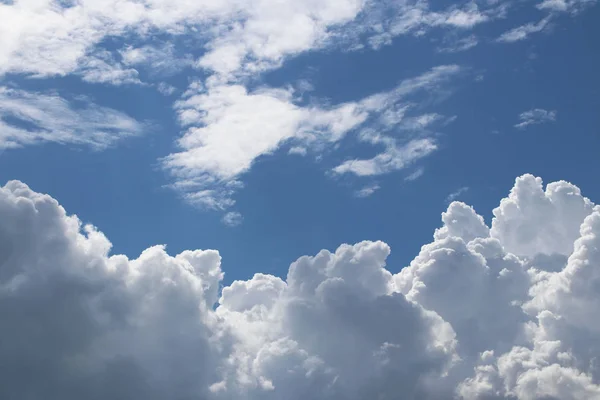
x=503, y=312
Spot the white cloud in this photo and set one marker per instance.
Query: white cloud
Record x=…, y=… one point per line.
x=477, y=313
x=232, y=218
x=456, y=194
x=416, y=174
x=533, y=221
x=458, y=45
x=367, y=191
x=228, y=128
x=47, y=38
x=159, y=60
x=31, y=118
x=554, y=5
x=102, y=68
x=522, y=32
x=298, y=150
x=384, y=21
x=535, y=116
x=166, y=89
x=234, y=39
x=394, y=157
x=573, y=6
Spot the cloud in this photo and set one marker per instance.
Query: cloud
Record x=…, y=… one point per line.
x=229, y=127
x=534, y=117
x=231, y=40
x=49, y=38
x=28, y=118
x=159, y=60
x=458, y=45
x=477, y=313
x=367, y=191
x=573, y=6
x=456, y=194
x=394, y=157
x=101, y=67
x=166, y=89
x=416, y=174
x=298, y=150
x=382, y=22
x=232, y=218
x=522, y=32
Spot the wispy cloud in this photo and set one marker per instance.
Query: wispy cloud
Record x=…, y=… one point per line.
x=383, y=21
x=522, y=32
x=28, y=118
x=534, y=117
x=456, y=194
x=458, y=45
x=572, y=6
x=232, y=218
x=228, y=127
x=367, y=191
x=395, y=157
x=415, y=175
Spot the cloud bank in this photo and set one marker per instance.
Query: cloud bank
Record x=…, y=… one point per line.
x=499, y=312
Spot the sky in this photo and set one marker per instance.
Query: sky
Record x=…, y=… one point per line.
x=447, y=150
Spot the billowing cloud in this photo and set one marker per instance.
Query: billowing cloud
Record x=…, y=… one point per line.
x=30, y=118
x=503, y=312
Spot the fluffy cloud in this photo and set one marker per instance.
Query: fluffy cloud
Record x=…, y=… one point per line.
x=46, y=38
x=476, y=315
x=229, y=127
x=30, y=118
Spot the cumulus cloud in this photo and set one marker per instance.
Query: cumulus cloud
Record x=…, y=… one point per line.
x=28, y=118
x=476, y=315
x=534, y=117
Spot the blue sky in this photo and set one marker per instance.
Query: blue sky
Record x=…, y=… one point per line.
x=359, y=199
x=543, y=77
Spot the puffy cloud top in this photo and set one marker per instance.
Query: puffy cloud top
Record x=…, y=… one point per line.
x=481, y=313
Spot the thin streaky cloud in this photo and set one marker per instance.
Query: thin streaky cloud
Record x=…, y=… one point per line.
x=534, y=117
x=29, y=118
x=524, y=31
